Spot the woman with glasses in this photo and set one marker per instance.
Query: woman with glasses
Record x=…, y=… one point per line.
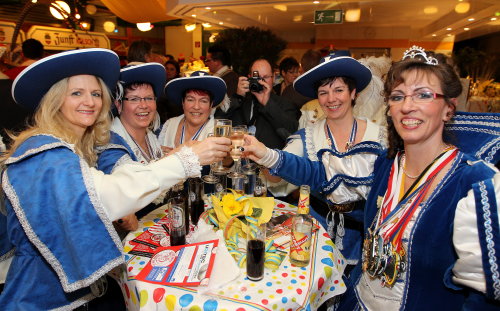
x=431, y=214
x=131, y=137
x=198, y=94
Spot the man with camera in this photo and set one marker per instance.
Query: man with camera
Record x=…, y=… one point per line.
x=269, y=116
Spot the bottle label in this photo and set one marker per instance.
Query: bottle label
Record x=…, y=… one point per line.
x=178, y=218
x=303, y=206
x=300, y=247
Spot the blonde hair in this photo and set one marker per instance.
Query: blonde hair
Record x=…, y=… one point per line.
x=48, y=119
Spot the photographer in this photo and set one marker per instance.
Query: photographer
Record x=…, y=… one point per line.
x=266, y=114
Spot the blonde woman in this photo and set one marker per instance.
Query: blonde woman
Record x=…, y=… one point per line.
x=56, y=222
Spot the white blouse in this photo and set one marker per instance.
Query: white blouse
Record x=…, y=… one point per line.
x=169, y=131
x=358, y=165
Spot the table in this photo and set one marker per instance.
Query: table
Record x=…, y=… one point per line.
x=286, y=288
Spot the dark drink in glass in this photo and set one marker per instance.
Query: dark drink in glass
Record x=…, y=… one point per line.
x=197, y=208
x=255, y=260
x=196, y=204
x=177, y=238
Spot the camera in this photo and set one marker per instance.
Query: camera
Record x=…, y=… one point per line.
x=255, y=86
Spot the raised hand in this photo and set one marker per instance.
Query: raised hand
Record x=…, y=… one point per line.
x=211, y=149
x=254, y=149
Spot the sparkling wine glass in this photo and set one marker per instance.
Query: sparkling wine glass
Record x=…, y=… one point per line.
x=210, y=178
x=237, y=134
x=222, y=128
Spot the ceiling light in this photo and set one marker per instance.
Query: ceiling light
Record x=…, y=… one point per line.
x=434, y=35
x=353, y=15
x=208, y=8
x=449, y=28
x=471, y=19
x=91, y=9
x=144, y=26
x=280, y=7
x=190, y=27
x=85, y=25
x=315, y=2
x=206, y=25
x=109, y=26
x=34, y=1
x=297, y=18
x=462, y=7
x=221, y=23
x=193, y=15
x=466, y=28
x=430, y=10
x=60, y=9
x=493, y=19
x=78, y=16
x=448, y=35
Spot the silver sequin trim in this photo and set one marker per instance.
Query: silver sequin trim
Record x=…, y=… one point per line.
x=60, y=143
x=310, y=147
x=190, y=162
x=123, y=160
x=75, y=304
x=7, y=255
x=490, y=244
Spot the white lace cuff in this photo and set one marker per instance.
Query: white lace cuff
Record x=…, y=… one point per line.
x=190, y=161
x=269, y=159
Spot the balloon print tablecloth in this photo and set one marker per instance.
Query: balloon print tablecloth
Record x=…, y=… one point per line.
x=286, y=288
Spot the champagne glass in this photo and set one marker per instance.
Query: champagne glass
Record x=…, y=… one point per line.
x=210, y=178
x=222, y=128
x=237, y=134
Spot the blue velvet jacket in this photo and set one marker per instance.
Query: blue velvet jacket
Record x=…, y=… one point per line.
x=55, y=227
x=111, y=154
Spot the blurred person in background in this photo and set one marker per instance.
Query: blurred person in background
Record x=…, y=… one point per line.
x=269, y=116
x=218, y=61
x=289, y=70
x=168, y=109
x=32, y=50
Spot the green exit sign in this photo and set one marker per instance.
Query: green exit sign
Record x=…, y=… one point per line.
x=328, y=17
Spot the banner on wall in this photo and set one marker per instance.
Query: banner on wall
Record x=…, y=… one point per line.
x=67, y=39
x=7, y=31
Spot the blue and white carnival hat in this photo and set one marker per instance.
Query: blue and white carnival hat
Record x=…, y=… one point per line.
x=152, y=73
x=198, y=80
x=337, y=64
x=34, y=82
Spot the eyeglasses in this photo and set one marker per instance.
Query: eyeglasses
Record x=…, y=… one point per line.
x=137, y=100
x=420, y=97
x=207, y=60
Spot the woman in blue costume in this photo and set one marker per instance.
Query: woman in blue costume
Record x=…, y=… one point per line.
x=131, y=136
x=432, y=237
x=55, y=220
x=354, y=144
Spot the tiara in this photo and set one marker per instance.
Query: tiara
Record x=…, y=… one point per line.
x=419, y=53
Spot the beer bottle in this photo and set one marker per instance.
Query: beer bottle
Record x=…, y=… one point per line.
x=180, y=193
x=302, y=226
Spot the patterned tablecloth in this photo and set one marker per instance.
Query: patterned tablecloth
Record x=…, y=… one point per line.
x=285, y=288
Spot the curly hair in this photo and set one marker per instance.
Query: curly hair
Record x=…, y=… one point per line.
x=48, y=119
x=449, y=81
